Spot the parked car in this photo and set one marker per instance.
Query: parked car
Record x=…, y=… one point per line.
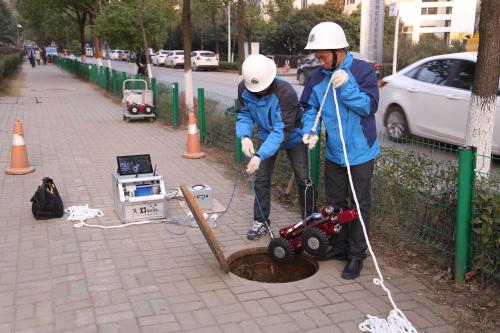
x=430, y=99
x=175, y=58
x=307, y=64
x=125, y=55
x=115, y=54
x=158, y=59
x=89, y=52
x=204, y=59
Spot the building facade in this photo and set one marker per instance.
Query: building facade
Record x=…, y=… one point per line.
x=446, y=19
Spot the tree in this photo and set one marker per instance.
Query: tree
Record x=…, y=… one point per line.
x=188, y=78
x=119, y=25
x=481, y=120
x=45, y=21
x=240, y=27
x=7, y=25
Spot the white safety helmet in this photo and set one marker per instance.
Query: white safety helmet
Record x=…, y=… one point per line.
x=326, y=36
x=258, y=72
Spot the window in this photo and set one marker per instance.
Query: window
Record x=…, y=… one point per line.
x=463, y=75
x=447, y=23
x=449, y=10
x=428, y=11
x=434, y=71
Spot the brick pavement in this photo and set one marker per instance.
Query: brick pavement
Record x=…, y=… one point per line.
x=55, y=278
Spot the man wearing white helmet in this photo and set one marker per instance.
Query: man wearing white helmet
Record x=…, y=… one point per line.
x=356, y=88
x=271, y=104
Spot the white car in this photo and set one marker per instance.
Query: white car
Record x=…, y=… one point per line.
x=159, y=57
x=204, y=59
x=89, y=52
x=115, y=54
x=430, y=99
x=175, y=58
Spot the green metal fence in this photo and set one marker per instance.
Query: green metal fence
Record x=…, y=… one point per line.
x=420, y=189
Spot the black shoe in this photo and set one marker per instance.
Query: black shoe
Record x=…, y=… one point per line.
x=334, y=256
x=352, y=269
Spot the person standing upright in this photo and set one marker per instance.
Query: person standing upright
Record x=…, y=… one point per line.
x=355, y=82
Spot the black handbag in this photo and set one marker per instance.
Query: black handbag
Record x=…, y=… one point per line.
x=46, y=202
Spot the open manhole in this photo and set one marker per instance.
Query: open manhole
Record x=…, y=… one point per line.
x=256, y=265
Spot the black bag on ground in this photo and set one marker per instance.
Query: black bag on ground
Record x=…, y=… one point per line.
x=46, y=202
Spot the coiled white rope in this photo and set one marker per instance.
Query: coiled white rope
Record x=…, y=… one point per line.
x=82, y=213
x=396, y=321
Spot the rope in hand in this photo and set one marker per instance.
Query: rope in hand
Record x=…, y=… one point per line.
x=396, y=321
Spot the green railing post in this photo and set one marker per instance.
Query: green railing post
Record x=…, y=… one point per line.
x=201, y=115
x=154, y=89
x=123, y=78
x=175, y=105
x=315, y=156
x=465, y=189
x=114, y=75
x=238, y=155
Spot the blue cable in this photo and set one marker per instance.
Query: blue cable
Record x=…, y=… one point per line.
x=234, y=189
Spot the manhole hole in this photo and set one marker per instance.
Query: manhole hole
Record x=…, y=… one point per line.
x=256, y=265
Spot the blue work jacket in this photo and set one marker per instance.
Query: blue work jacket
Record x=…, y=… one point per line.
x=277, y=114
x=358, y=102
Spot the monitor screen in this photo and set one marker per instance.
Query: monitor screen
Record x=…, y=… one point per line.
x=134, y=164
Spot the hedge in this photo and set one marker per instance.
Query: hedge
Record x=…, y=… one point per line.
x=9, y=64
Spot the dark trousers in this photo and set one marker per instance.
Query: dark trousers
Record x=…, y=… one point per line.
x=351, y=239
x=298, y=158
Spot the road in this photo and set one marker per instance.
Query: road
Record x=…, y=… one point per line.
x=215, y=83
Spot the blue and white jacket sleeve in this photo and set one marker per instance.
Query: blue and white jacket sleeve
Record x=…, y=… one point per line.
x=244, y=120
x=283, y=120
x=360, y=92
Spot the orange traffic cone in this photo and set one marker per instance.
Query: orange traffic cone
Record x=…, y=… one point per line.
x=19, y=156
x=193, y=149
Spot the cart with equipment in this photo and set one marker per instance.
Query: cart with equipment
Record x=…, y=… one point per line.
x=137, y=103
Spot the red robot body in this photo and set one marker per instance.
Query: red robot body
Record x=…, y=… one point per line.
x=312, y=234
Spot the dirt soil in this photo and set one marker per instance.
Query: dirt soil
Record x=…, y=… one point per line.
x=473, y=308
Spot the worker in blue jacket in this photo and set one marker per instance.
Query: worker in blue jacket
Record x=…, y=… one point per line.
x=355, y=84
x=272, y=105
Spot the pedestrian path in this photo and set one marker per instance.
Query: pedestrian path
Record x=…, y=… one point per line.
x=56, y=278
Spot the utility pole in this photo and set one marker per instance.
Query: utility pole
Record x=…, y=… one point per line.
x=371, y=39
x=229, y=31
x=394, y=11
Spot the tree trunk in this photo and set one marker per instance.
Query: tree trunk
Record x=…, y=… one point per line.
x=241, y=22
x=186, y=36
x=144, y=39
x=249, y=40
x=95, y=40
x=81, y=26
x=482, y=106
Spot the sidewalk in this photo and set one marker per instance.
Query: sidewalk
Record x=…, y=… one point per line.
x=55, y=278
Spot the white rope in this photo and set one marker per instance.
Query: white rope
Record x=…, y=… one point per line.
x=396, y=321
x=82, y=213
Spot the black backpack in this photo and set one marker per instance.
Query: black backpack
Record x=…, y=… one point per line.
x=47, y=202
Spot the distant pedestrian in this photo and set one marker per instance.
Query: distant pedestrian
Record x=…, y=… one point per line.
x=31, y=56
x=44, y=56
x=38, y=56
x=140, y=61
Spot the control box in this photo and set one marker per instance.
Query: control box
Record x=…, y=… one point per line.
x=203, y=195
x=139, y=197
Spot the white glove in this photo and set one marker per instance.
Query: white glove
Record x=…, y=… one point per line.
x=310, y=140
x=339, y=78
x=253, y=165
x=247, y=147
